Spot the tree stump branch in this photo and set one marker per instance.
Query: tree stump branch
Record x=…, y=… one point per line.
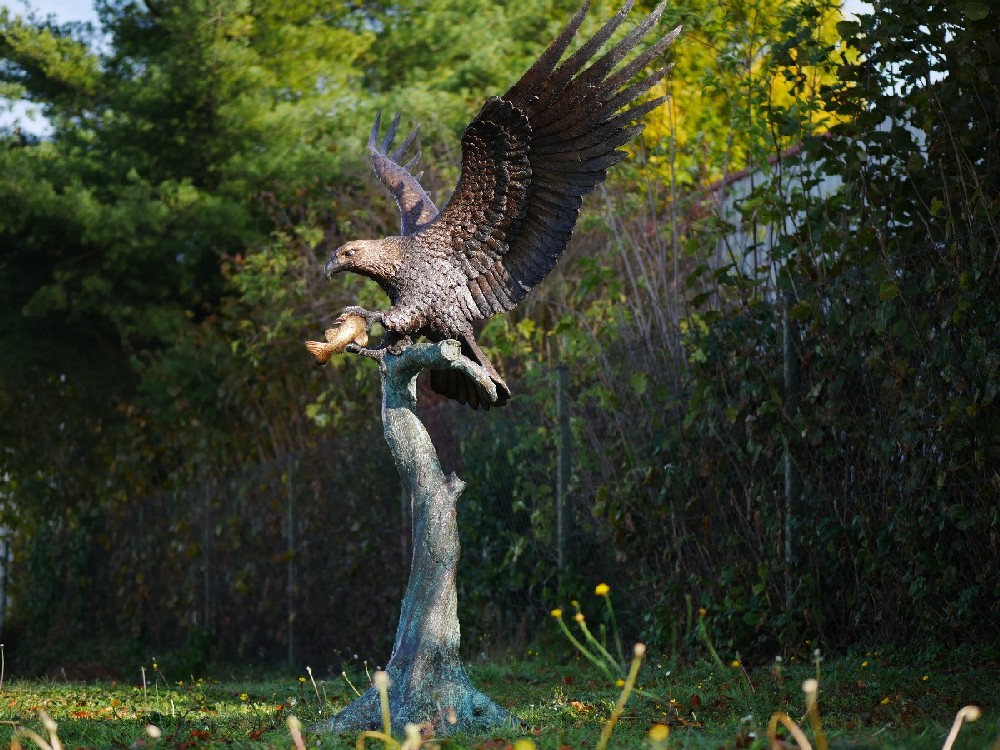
x=428, y=683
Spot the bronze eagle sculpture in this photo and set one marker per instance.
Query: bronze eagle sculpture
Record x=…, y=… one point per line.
x=527, y=159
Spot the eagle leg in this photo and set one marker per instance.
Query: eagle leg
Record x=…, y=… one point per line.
x=392, y=343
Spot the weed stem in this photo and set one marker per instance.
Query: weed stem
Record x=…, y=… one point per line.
x=614, y=628
x=583, y=650
x=351, y=684
x=640, y=651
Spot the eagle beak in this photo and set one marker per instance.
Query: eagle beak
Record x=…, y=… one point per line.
x=332, y=266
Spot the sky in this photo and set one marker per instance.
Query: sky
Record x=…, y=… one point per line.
x=64, y=10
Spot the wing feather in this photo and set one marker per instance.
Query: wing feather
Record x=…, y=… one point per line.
x=528, y=158
x=415, y=207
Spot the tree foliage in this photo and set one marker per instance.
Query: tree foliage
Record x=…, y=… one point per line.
x=158, y=274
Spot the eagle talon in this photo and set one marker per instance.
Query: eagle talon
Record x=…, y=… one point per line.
x=369, y=316
x=396, y=347
x=378, y=353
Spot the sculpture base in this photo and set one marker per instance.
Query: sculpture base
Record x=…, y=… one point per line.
x=439, y=698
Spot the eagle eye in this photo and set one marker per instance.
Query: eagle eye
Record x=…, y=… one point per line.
x=350, y=252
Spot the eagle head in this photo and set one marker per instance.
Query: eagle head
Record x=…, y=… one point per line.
x=348, y=257
x=376, y=259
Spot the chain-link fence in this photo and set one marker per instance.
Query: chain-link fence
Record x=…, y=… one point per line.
x=304, y=559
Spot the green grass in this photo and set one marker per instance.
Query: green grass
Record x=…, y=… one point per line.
x=869, y=700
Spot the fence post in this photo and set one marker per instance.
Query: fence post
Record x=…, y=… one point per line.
x=5, y=558
x=290, y=491
x=563, y=464
x=206, y=553
x=793, y=487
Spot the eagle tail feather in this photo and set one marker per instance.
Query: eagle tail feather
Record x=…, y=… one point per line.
x=458, y=386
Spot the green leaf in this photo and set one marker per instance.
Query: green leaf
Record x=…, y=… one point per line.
x=848, y=29
x=800, y=311
x=975, y=10
x=888, y=290
x=640, y=382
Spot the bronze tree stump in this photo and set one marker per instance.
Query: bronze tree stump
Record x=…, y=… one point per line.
x=428, y=683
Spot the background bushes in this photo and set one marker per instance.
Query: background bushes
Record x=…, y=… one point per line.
x=778, y=324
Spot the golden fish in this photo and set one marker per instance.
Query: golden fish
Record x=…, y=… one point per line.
x=349, y=329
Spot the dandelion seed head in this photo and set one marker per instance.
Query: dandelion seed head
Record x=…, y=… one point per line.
x=971, y=713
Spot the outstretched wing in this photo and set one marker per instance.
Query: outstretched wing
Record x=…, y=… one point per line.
x=530, y=156
x=415, y=207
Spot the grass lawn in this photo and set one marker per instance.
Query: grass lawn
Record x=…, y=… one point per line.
x=875, y=700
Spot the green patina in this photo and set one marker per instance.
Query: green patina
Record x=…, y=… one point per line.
x=428, y=682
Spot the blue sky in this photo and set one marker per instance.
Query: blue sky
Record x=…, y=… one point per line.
x=64, y=10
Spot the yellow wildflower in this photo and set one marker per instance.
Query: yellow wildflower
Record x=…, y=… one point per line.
x=864, y=664
x=244, y=696
x=602, y=589
x=735, y=663
x=579, y=617
x=302, y=679
x=702, y=612
x=659, y=732
x=557, y=612
x=620, y=682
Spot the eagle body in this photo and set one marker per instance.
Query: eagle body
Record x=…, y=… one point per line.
x=528, y=158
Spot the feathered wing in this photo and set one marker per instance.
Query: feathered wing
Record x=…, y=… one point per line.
x=415, y=207
x=530, y=155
